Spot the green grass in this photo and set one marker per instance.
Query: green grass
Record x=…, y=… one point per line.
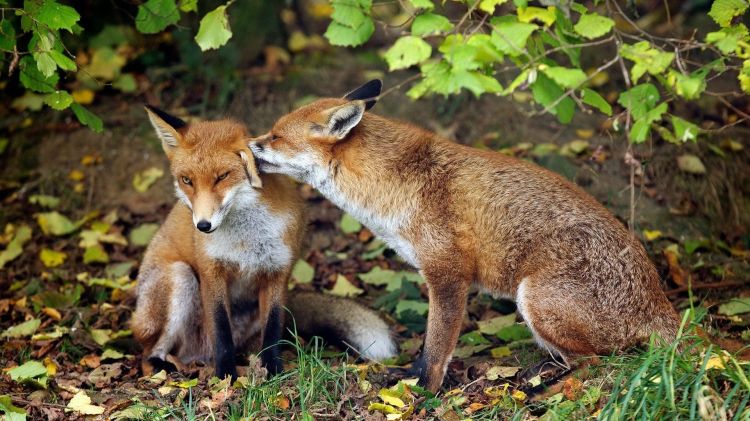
x=689, y=379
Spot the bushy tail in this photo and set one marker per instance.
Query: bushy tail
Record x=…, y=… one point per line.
x=343, y=321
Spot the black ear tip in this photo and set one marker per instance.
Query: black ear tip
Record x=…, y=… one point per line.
x=173, y=121
x=368, y=91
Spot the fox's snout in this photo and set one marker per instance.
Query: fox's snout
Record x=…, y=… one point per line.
x=203, y=226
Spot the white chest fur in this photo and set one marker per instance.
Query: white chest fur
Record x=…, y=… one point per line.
x=252, y=237
x=387, y=227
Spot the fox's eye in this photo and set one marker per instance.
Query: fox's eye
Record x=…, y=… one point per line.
x=274, y=137
x=187, y=181
x=223, y=176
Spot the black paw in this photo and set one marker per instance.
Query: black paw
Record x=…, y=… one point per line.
x=273, y=365
x=158, y=364
x=226, y=367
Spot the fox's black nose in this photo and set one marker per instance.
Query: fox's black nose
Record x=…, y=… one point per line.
x=204, y=225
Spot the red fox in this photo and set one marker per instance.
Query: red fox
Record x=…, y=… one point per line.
x=214, y=279
x=583, y=284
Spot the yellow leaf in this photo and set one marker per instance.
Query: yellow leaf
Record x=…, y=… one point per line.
x=715, y=362
x=83, y=96
x=584, y=133
x=51, y=258
x=652, y=235
x=297, y=41
x=81, y=403
x=51, y=312
x=344, y=288
x=518, y=395
x=384, y=408
x=76, y=175
x=143, y=180
x=496, y=391
x=391, y=397
x=320, y=9
x=51, y=366
x=89, y=160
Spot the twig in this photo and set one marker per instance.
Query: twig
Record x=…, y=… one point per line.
x=715, y=285
x=399, y=85
x=466, y=16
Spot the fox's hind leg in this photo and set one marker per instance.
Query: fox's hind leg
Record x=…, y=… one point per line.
x=165, y=312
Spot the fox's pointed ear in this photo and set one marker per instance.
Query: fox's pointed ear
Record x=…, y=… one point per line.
x=252, y=171
x=342, y=119
x=166, y=127
x=369, y=92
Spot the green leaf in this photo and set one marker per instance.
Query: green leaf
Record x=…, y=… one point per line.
x=422, y=4
x=125, y=83
x=142, y=235
x=58, y=100
x=490, y=5
x=55, y=223
x=214, y=30
x=7, y=35
x=419, y=307
x=515, y=332
x=646, y=59
x=642, y=127
x=406, y=52
x=62, y=61
x=546, y=16
x=639, y=99
x=735, y=306
x=546, y=92
x=687, y=86
x=95, y=254
x=474, y=338
x=348, y=14
x=744, y=76
x=45, y=63
x=15, y=246
x=12, y=412
x=593, y=26
x=57, y=16
x=87, y=118
x=24, y=329
x=510, y=36
x=494, y=325
x=33, y=371
x=303, y=272
x=567, y=78
x=349, y=225
x=429, y=24
x=723, y=11
x=592, y=98
x=685, y=130
x=31, y=78
x=728, y=39
x=346, y=36
x=691, y=164
x=155, y=15
x=391, y=279
x=188, y=6
x=143, y=180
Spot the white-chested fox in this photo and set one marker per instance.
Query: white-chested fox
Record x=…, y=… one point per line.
x=214, y=279
x=582, y=282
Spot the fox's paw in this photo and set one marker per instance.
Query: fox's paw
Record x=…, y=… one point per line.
x=158, y=365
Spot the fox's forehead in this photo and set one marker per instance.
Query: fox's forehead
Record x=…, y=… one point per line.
x=214, y=134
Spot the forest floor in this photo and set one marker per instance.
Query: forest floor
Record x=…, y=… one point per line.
x=78, y=209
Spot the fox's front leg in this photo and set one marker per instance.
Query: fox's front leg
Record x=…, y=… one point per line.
x=271, y=301
x=216, y=310
x=448, y=292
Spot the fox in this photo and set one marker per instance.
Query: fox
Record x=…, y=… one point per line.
x=214, y=279
x=583, y=284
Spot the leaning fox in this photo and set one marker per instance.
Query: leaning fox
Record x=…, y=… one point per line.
x=205, y=293
x=582, y=282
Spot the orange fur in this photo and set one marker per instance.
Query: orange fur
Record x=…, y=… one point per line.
x=189, y=278
x=583, y=283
